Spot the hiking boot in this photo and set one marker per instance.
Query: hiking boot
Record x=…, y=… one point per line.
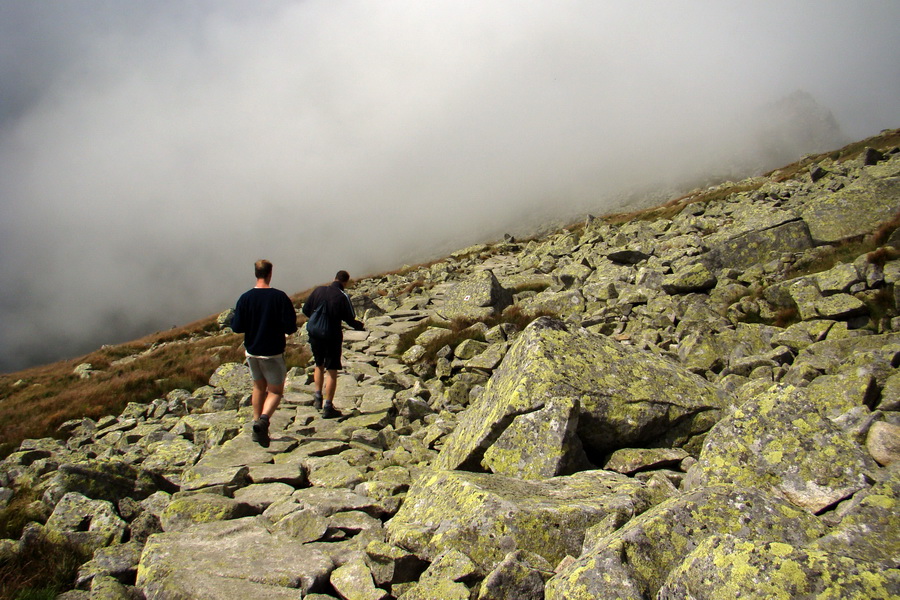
x=317, y=400
x=328, y=412
x=261, y=432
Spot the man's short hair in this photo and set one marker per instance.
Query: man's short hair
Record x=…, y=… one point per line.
x=342, y=276
x=263, y=269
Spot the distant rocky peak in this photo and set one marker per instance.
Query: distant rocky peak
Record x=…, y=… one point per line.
x=795, y=125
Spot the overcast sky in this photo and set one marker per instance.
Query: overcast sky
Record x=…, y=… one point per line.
x=152, y=150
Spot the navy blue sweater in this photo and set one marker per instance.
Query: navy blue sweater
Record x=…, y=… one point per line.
x=264, y=316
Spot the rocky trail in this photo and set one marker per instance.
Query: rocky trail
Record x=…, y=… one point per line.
x=702, y=415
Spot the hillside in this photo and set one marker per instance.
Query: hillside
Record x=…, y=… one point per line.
x=697, y=397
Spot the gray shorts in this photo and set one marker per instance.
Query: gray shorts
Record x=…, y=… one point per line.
x=270, y=368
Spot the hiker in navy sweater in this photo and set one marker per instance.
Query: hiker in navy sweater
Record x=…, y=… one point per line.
x=335, y=308
x=265, y=316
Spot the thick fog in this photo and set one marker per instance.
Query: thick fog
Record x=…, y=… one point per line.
x=151, y=151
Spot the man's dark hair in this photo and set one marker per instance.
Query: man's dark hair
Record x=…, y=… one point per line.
x=342, y=276
x=263, y=269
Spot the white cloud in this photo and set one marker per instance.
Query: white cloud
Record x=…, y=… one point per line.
x=154, y=150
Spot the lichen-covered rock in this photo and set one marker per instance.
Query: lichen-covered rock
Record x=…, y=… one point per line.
x=119, y=561
x=622, y=397
x=414, y=354
x=839, y=393
x=725, y=567
x=606, y=577
x=519, y=576
x=184, y=511
x=758, y=246
x=237, y=555
x=259, y=496
x=104, y=480
x=883, y=442
x=201, y=476
x=327, y=502
x=391, y=564
x=444, y=579
x=303, y=525
x=190, y=584
x=832, y=354
x=539, y=444
x=630, y=460
x=224, y=319
x=643, y=551
x=868, y=529
x=333, y=472
x=855, y=210
x=89, y=524
x=353, y=581
x=486, y=516
x=234, y=378
x=562, y=304
x=105, y=587
x=840, y=307
x=693, y=278
x=171, y=455
x=779, y=441
x=480, y=295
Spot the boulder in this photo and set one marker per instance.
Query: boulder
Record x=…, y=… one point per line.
x=487, y=516
x=234, y=378
x=226, y=557
x=481, y=295
x=353, y=581
x=779, y=441
x=109, y=480
x=640, y=554
x=868, y=527
x=855, y=210
x=86, y=523
x=444, y=579
x=184, y=511
x=759, y=246
x=723, y=567
x=693, y=278
x=559, y=396
x=519, y=576
x=883, y=442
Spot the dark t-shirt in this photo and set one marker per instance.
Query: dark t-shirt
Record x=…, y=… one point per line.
x=264, y=316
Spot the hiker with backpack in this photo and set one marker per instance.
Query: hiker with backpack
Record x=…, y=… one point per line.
x=327, y=307
x=265, y=316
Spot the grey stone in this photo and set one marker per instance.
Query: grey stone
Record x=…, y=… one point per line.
x=780, y=442
x=456, y=510
x=225, y=559
x=716, y=569
x=854, y=210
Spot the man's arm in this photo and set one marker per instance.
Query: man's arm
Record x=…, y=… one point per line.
x=348, y=315
x=289, y=317
x=237, y=321
x=308, y=305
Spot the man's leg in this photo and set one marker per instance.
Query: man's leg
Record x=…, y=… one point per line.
x=328, y=411
x=319, y=377
x=331, y=377
x=258, y=397
x=274, y=394
x=319, y=382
